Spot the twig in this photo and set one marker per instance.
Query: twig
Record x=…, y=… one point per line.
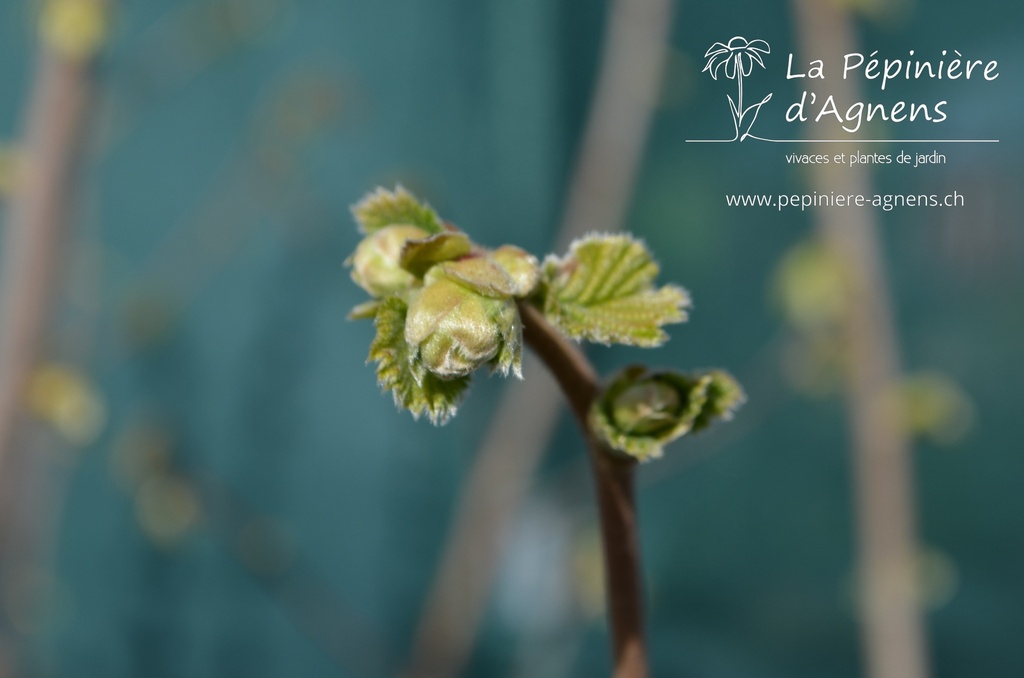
x=614, y=477
x=893, y=632
x=496, y=482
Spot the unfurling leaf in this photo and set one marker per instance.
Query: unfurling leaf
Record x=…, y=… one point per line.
x=413, y=386
x=387, y=208
x=418, y=256
x=639, y=412
x=723, y=397
x=603, y=291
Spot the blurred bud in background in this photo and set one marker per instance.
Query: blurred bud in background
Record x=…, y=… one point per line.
x=67, y=400
x=811, y=287
x=75, y=29
x=932, y=406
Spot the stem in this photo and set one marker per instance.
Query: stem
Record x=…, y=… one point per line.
x=739, y=84
x=614, y=477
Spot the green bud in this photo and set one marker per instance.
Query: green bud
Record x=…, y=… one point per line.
x=375, y=263
x=646, y=407
x=453, y=329
x=412, y=385
x=640, y=412
x=520, y=266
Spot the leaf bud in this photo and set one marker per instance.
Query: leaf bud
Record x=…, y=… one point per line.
x=376, y=262
x=453, y=329
x=640, y=412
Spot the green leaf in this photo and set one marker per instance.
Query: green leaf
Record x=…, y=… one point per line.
x=413, y=386
x=602, y=291
x=418, y=256
x=385, y=208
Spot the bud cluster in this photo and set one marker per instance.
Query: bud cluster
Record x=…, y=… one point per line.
x=443, y=307
x=459, y=299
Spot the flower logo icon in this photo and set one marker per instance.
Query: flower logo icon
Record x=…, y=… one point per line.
x=736, y=59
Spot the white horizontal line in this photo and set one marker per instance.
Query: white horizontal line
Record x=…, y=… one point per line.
x=852, y=141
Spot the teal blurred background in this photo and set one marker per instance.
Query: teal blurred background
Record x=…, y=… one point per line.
x=236, y=498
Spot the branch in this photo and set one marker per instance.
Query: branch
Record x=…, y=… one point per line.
x=573, y=372
x=614, y=477
x=36, y=224
x=35, y=234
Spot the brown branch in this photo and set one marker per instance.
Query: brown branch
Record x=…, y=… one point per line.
x=573, y=372
x=35, y=234
x=36, y=224
x=495, y=484
x=614, y=478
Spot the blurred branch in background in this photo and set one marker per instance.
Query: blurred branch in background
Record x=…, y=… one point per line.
x=40, y=204
x=601, y=186
x=266, y=165
x=893, y=635
x=71, y=32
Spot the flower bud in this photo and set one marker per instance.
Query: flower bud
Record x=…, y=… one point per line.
x=375, y=263
x=454, y=329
